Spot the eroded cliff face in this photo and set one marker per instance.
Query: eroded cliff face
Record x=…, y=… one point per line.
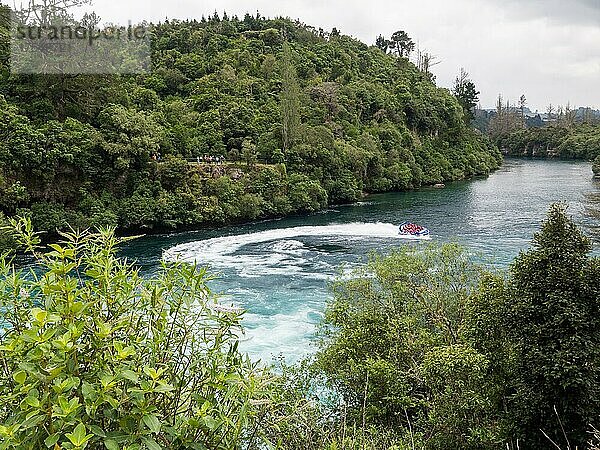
x=533, y=150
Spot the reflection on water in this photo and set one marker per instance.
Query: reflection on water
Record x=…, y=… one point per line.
x=592, y=209
x=279, y=270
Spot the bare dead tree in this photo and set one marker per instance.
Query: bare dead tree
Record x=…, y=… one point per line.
x=45, y=12
x=425, y=61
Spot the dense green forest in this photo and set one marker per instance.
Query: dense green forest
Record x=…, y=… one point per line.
x=423, y=348
x=578, y=141
x=304, y=119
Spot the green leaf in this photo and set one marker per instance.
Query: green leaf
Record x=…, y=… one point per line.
x=152, y=422
x=79, y=435
x=50, y=441
x=130, y=375
x=88, y=391
x=77, y=307
x=97, y=431
x=210, y=422
x=151, y=443
x=111, y=445
x=63, y=403
x=163, y=387
x=39, y=315
x=32, y=422
x=151, y=372
x=32, y=401
x=20, y=377
x=57, y=247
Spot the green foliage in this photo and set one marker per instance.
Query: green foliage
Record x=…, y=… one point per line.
x=551, y=320
x=395, y=347
x=93, y=356
x=467, y=95
x=7, y=241
x=429, y=345
x=305, y=194
x=341, y=117
x=4, y=37
x=290, y=99
x=579, y=141
x=401, y=43
x=596, y=166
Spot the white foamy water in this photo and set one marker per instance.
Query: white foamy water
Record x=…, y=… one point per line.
x=268, y=273
x=221, y=251
x=290, y=332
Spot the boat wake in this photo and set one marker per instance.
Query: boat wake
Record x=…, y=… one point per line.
x=281, y=251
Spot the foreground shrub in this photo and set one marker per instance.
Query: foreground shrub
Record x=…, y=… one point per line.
x=7, y=243
x=426, y=342
x=395, y=349
x=93, y=356
x=551, y=320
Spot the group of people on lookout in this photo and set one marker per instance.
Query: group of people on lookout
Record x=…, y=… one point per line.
x=210, y=159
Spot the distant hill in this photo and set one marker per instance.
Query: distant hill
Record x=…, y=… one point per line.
x=328, y=117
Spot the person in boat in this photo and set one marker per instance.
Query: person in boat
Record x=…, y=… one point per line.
x=413, y=229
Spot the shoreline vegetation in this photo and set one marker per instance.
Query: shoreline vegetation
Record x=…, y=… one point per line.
x=566, y=134
x=328, y=118
x=580, y=141
x=93, y=356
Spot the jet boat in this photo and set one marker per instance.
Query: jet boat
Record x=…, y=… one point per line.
x=413, y=230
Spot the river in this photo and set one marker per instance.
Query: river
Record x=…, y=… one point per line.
x=279, y=270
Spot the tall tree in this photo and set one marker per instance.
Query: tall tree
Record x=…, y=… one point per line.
x=550, y=111
x=522, y=105
x=467, y=94
x=327, y=95
x=402, y=44
x=552, y=323
x=425, y=61
x=4, y=36
x=570, y=115
x=46, y=12
x=290, y=99
x=382, y=43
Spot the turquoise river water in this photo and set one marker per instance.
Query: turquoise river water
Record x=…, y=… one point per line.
x=279, y=270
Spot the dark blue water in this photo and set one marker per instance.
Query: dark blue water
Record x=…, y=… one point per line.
x=279, y=270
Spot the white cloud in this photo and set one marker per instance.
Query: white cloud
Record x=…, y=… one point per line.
x=546, y=49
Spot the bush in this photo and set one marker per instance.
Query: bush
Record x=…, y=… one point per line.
x=306, y=195
x=394, y=347
x=93, y=356
x=551, y=319
x=596, y=166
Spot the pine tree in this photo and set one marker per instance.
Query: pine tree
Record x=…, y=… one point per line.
x=467, y=94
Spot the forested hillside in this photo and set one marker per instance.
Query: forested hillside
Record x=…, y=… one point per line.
x=581, y=141
x=302, y=117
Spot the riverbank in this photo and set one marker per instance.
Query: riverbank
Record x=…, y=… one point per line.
x=216, y=195
x=573, y=141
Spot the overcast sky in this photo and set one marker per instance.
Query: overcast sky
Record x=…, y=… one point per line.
x=547, y=49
